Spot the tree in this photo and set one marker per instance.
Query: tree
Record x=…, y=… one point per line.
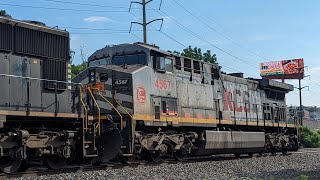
x=76, y=69
x=196, y=53
x=207, y=57
x=4, y=13
x=310, y=138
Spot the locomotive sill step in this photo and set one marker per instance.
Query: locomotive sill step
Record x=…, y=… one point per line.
x=91, y=155
x=88, y=142
x=127, y=155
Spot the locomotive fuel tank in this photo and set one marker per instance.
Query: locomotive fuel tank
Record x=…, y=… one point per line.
x=222, y=142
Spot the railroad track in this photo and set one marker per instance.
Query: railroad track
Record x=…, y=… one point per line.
x=41, y=171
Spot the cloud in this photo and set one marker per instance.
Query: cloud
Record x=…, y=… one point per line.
x=97, y=19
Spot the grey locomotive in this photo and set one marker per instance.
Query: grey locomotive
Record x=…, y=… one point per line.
x=168, y=105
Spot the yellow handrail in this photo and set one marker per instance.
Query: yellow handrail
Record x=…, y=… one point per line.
x=121, y=124
x=85, y=109
x=99, y=112
x=132, y=125
x=123, y=108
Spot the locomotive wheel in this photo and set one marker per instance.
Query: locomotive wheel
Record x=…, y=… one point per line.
x=55, y=162
x=156, y=156
x=180, y=155
x=284, y=149
x=9, y=165
x=237, y=155
x=126, y=159
x=273, y=150
x=250, y=155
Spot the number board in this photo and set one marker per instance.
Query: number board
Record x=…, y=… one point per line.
x=162, y=84
x=120, y=82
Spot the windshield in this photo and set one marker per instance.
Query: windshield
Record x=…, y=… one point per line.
x=129, y=59
x=99, y=62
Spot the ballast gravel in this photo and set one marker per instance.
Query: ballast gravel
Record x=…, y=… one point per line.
x=304, y=164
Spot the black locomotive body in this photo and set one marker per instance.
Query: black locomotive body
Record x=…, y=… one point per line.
x=36, y=118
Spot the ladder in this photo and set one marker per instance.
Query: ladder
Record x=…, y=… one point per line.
x=91, y=129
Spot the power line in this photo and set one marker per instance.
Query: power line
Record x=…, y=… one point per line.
x=178, y=42
x=86, y=4
x=221, y=34
x=203, y=39
x=96, y=29
x=88, y=33
x=61, y=9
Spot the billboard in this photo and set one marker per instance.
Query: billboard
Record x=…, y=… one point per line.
x=285, y=69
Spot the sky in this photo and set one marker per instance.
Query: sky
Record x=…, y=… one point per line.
x=241, y=33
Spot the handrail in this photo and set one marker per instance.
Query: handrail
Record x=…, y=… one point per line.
x=99, y=111
x=85, y=109
x=121, y=124
x=131, y=122
x=123, y=108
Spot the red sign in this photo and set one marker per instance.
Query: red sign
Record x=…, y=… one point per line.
x=162, y=84
x=141, y=94
x=285, y=69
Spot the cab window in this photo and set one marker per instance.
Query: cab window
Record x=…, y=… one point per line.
x=129, y=59
x=164, y=64
x=99, y=62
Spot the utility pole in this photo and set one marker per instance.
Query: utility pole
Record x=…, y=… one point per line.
x=301, y=76
x=144, y=23
x=300, y=97
x=144, y=20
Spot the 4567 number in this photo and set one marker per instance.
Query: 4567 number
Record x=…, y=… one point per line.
x=162, y=84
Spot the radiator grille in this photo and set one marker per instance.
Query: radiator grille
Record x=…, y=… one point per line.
x=55, y=70
x=5, y=37
x=42, y=44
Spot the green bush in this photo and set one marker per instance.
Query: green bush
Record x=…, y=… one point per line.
x=303, y=177
x=310, y=138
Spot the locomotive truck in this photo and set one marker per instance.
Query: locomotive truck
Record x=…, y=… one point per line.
x=132, y=101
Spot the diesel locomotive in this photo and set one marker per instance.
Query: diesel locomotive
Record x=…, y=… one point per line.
x=169, y=104
x=132, y=101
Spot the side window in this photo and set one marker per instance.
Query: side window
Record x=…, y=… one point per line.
x=164, y=106
x=168, y=65
x=164, y=64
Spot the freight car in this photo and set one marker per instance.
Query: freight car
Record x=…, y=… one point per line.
x=165, y=104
